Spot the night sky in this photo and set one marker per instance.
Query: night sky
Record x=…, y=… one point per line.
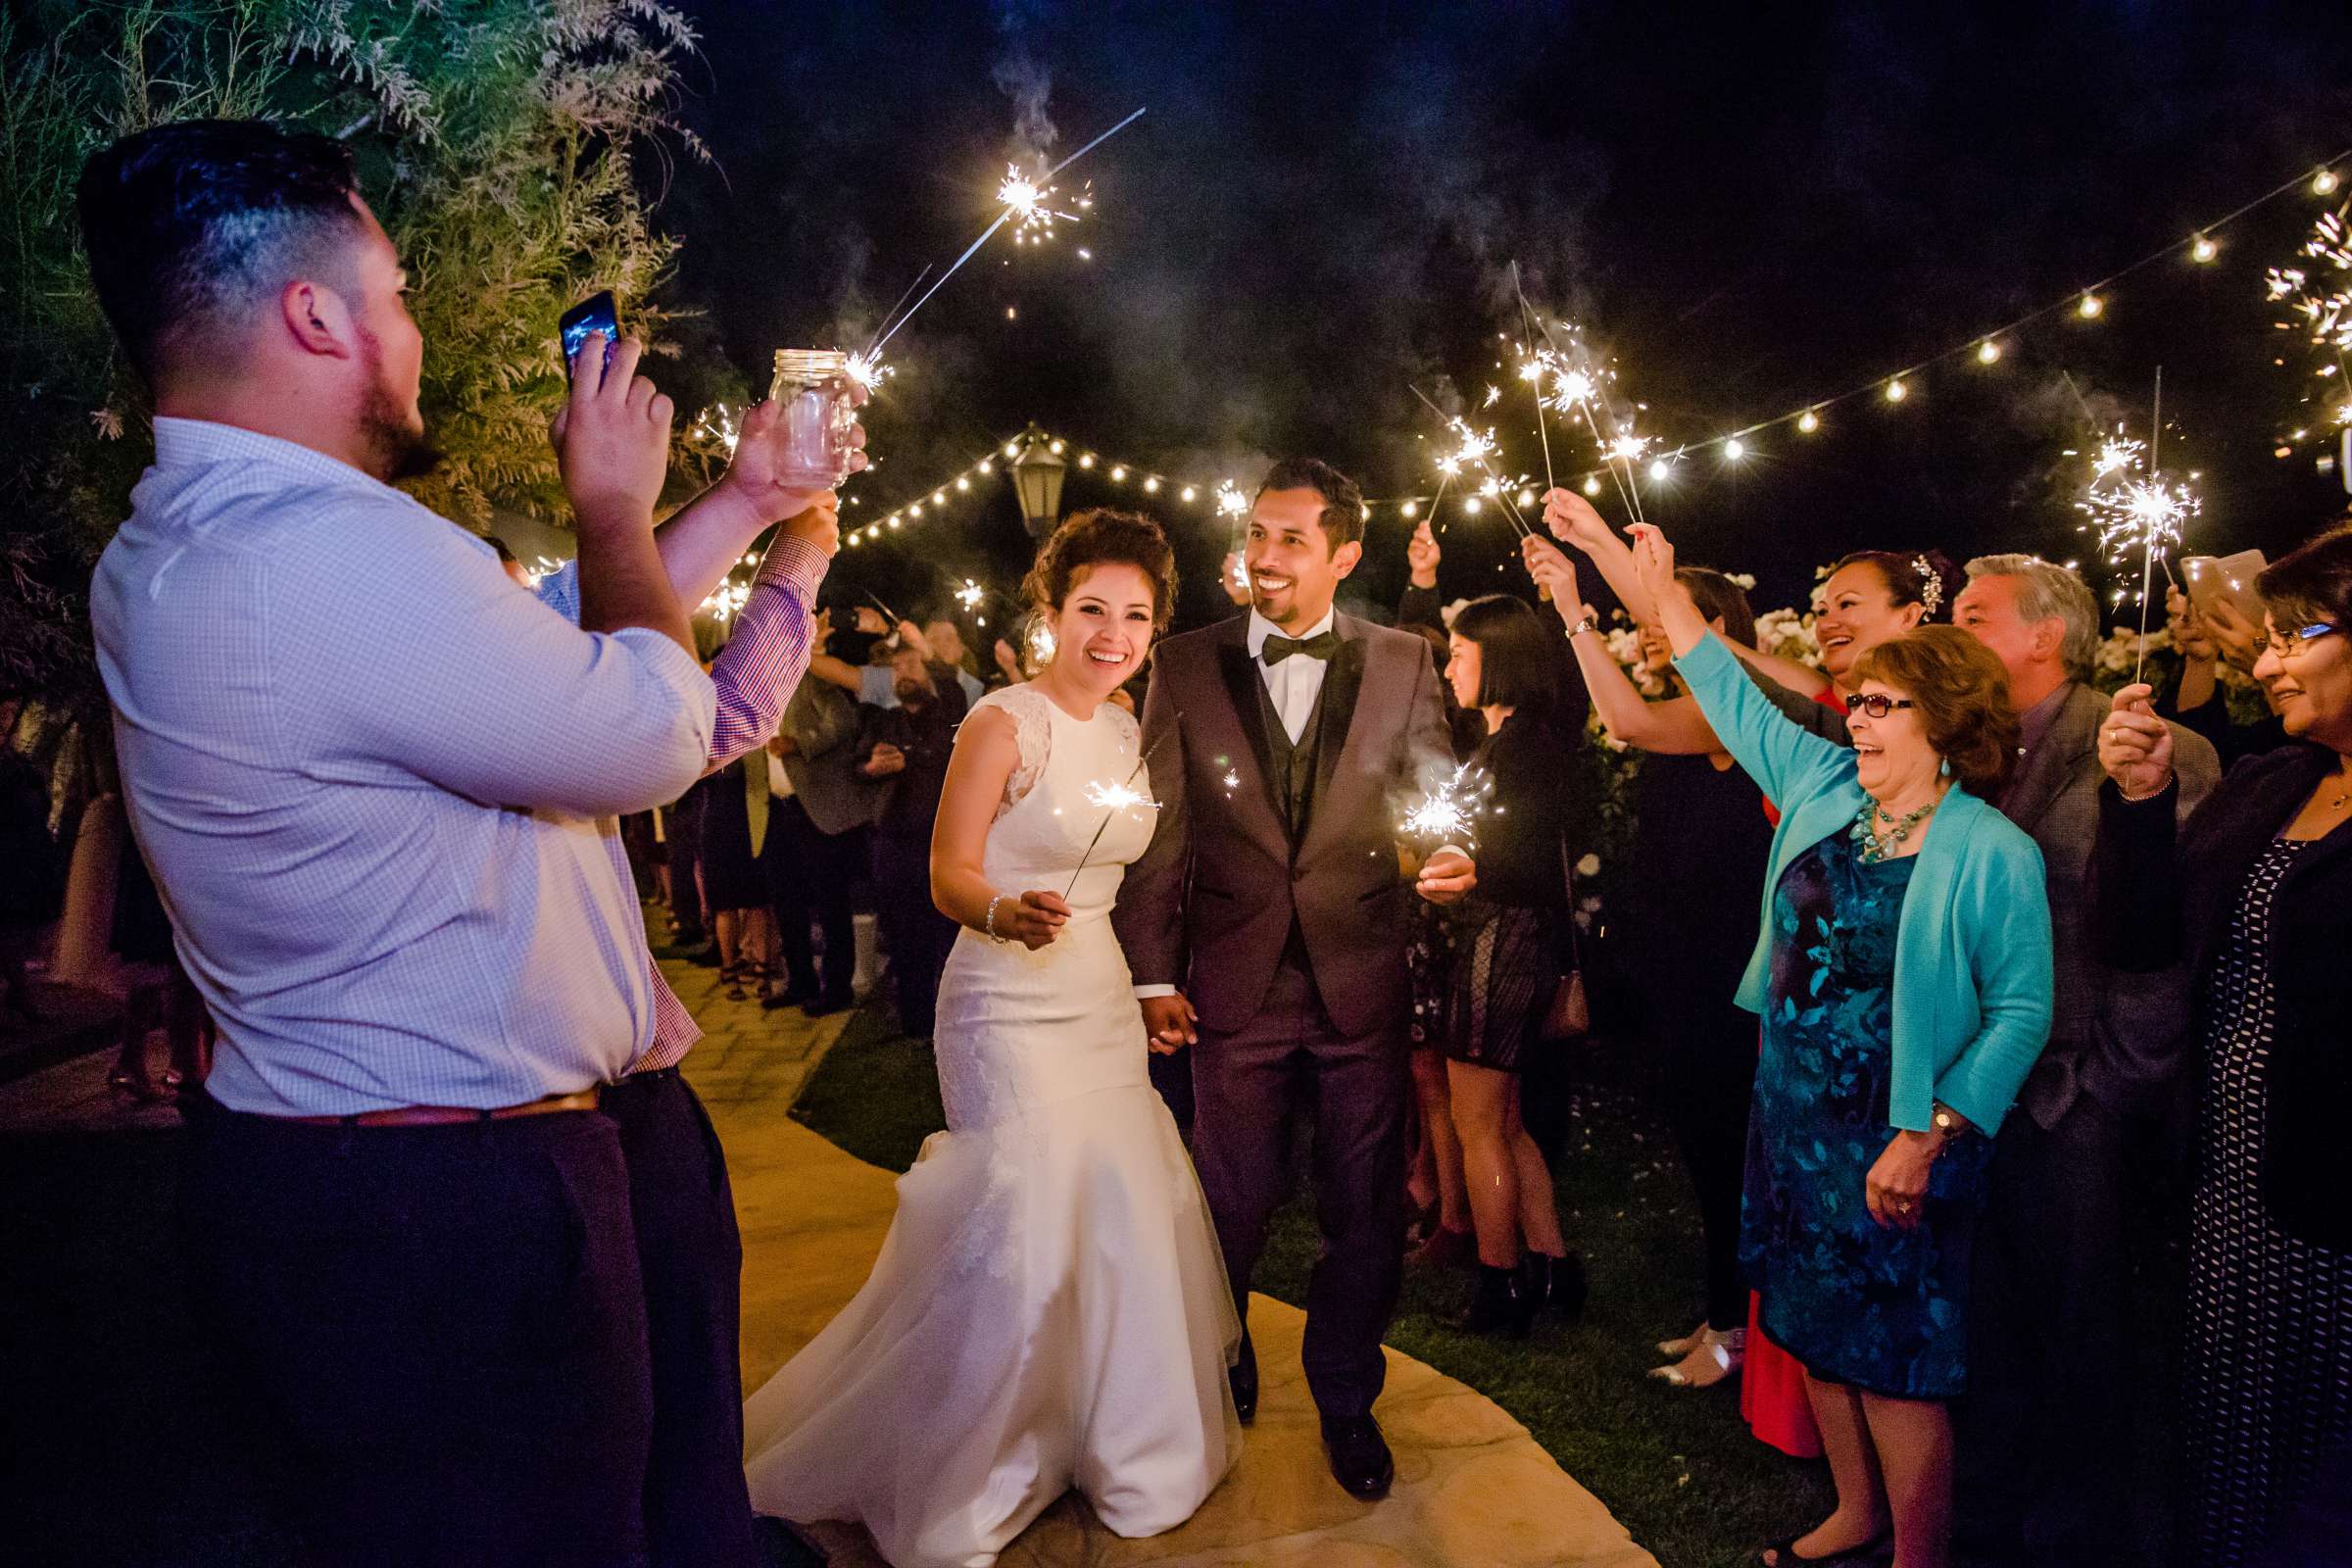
x=1751, y=207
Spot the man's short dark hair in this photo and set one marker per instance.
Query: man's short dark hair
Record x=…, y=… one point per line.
x=1343, y=503
x=188, y=226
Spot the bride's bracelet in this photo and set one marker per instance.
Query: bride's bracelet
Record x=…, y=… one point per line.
x=988, y=925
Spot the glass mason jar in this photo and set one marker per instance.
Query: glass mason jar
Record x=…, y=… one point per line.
x=810, y=391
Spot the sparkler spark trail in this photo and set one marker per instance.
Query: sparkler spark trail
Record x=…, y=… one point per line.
x=2135, y=512
x=1472, y=446
x=1578, y=390
x=970, y=594
x=866, y=370
x=1449, y=812
x=1117, y=797
x=1006, y=194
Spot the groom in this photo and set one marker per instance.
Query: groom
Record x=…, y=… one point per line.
x=1272, y=887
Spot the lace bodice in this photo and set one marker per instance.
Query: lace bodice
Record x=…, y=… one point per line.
x=1032, y=713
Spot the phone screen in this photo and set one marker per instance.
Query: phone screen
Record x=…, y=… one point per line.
x=592, y=315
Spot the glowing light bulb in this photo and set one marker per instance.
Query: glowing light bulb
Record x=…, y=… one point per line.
x=1808, y=421
x=987, y=467
x=1054, y=446
x=1152, y=486
x=2202, y=249
x=1118, y=475
x=2089, y=306
x=1412, y=509
x=1989, y=351
x=939, y=498
x=1897, y=391
x=1658, y=470
x=1186, y=493
x=1012, y=449
x=1592, y=484
x=1734, y=449
x=2323, y=182
x=965, y=485
x=1087, y=461
x=1473, y=505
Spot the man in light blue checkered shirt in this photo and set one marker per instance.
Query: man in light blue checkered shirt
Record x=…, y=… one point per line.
x=376, y=786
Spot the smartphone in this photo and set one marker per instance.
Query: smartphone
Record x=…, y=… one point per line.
x=592, y=315
x=2229, y=577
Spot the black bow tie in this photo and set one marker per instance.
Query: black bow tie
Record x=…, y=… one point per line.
x=1320, y=646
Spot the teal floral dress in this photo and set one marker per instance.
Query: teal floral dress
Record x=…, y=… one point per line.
x=1880, y=1308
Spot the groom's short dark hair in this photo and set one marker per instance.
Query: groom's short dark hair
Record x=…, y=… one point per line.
x=1343, y=517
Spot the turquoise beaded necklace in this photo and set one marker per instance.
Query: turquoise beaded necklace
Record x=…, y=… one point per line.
x=1873, y=846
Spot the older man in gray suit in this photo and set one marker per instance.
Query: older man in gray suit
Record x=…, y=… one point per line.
x=2047, y=1420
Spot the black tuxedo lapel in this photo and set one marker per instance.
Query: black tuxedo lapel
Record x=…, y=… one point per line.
x=1342, y=679
x=1242, y=685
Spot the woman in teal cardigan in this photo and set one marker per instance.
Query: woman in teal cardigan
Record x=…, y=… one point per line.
x=1903, y=975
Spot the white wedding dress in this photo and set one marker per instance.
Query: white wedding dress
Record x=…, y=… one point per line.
x=1050, y=1309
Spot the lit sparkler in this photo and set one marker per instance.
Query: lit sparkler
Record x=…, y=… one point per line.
x=1449, y=812
x=1120, y=797
x=970, y=594
x=2135, y=510
x=867, y=369
x=1019, y=199
x=1029, y=202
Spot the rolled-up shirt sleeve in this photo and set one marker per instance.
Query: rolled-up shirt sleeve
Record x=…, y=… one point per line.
x=755, y=674
x=467, y=683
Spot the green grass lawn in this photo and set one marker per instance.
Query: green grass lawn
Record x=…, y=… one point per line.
x=1678, y=1468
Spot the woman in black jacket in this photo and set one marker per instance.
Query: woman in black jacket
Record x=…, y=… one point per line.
x=1506, y=938
x=2256, y=895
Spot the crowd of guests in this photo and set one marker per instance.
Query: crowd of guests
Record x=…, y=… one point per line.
x=1945, y=952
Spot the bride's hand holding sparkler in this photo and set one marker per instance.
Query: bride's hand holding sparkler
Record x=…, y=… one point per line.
x=1033, y=921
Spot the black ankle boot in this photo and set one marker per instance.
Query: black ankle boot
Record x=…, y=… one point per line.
x=1556, y=1283
x=1503, y=1304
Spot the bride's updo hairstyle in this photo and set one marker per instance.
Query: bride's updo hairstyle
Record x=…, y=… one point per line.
x=1100, y=536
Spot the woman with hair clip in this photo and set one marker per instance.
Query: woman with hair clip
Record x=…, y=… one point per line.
x=1506, y=939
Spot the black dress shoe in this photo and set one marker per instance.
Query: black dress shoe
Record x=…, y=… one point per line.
x=829, y=1001
x=1505, y=1302
x=1243, y=1375
x=1557, y=1284
x=1359, y=1456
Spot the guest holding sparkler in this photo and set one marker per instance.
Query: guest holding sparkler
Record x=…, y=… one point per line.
x=1700, y=821
x=1904, y=976
x=2254, y=893
x=1506, y=938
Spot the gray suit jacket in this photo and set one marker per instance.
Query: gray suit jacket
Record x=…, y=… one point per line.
x=2116, y=1036
x=822, y=721
x=1208, y=906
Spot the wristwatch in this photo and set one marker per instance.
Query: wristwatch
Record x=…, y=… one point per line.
x=1590, y=622
x=1947, y=1123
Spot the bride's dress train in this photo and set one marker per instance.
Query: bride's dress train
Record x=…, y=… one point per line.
x=1050, y=1309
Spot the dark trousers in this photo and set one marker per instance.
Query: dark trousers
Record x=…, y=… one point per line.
x=917, y=934
x=1709, y=1077
x=443, y=1324
x=1243, y=1084
x=2044, y=1435
x=698, y=1510
x=808, y=876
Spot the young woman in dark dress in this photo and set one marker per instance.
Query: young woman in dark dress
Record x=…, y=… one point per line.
x=1506, y=938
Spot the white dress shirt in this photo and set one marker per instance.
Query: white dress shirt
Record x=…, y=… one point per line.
x=1296, y=682
x=367, y=771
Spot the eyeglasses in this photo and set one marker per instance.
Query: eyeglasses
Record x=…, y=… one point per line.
x=2286, y=645
x=1877, y=704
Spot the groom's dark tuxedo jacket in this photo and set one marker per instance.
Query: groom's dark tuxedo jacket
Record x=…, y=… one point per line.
x=1262, y=843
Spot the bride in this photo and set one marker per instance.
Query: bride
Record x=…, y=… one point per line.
x=1050, y=1309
